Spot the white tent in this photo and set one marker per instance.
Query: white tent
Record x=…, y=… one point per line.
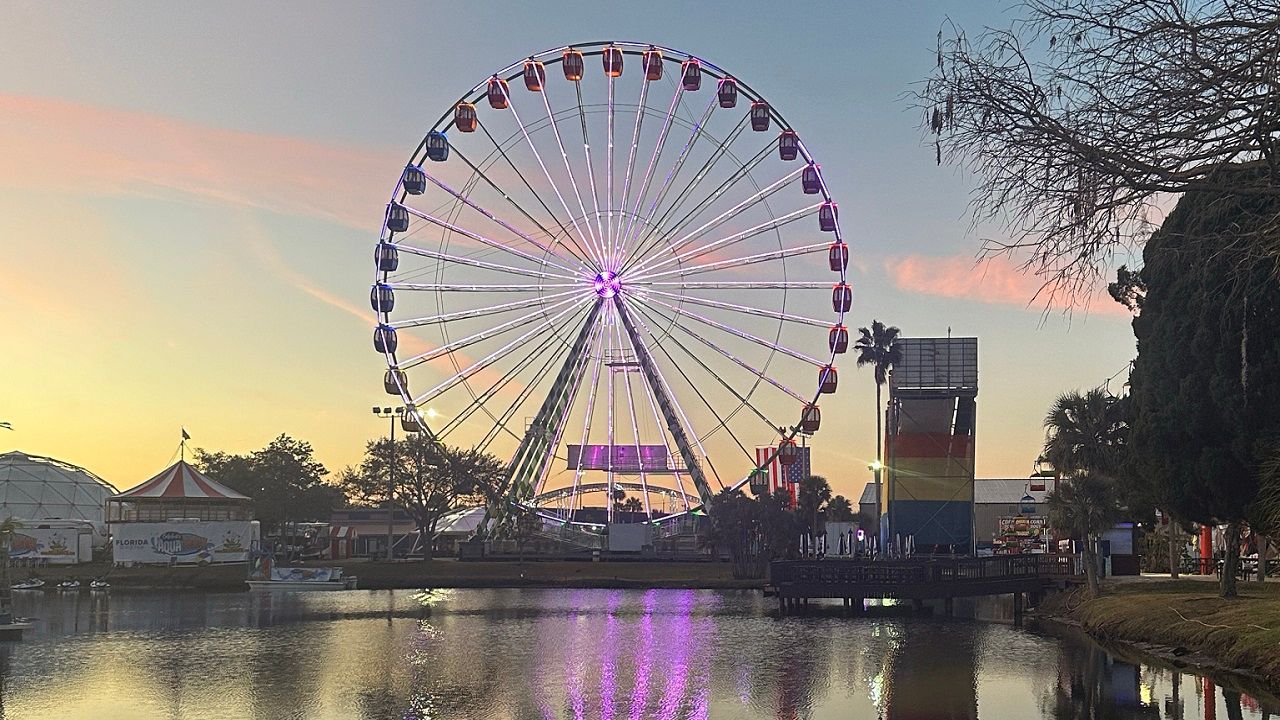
x=40, y=488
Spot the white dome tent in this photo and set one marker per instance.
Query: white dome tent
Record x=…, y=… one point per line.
x=33, y=487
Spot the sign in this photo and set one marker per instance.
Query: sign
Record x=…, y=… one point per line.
x=56, y=546
x=166, y=543
x=1019, y=534
x=626, y=458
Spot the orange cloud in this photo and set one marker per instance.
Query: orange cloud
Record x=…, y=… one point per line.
x=69, y=147
x=995, y=281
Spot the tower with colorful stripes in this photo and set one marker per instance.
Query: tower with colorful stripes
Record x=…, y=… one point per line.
x=929, y=444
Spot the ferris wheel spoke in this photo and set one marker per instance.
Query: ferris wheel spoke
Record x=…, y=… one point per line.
x=697, y=390
x=732, y=358
x=547, y=173
x=676, y=419
x=478, y=401
x=648, y=173
x=728, y=240
x=739, y=333
x=746, y=309
x=448, y=317
x=657, y=420
x=582, y=254
x=586, y=151
x=488, y=360
x=740, y=285
x=635, y=425
x=488, y=334
x=740, y=261
x=482, y=264
x=596, y=363
x=641, y=107
x=744, y=399
x=654, y=233
x=729, y=214
x=674, y=171
x=568, y=168
x=473, y=287
x=483, y=240
x=562, y=421
x=519, y=233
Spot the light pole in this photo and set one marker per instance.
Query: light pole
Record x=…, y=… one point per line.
x=392, y=414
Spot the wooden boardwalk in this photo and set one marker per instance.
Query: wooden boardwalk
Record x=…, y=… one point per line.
x=795, y=582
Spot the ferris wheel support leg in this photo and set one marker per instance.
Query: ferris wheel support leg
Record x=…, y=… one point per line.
x=536, y=449
x=650, y=371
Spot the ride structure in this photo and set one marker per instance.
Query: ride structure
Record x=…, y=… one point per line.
x=613, y=281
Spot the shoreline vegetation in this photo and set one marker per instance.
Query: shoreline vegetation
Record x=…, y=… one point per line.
x=1184, y=623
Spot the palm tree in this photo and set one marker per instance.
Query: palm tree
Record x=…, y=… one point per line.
x=1084, y=439
x=839, y=509
x=877, y=347
x=814, y=493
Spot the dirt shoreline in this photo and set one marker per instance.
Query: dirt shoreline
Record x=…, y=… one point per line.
x=417, y=574
x=1183, y=624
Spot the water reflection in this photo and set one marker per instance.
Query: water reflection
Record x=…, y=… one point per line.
x=610, y=654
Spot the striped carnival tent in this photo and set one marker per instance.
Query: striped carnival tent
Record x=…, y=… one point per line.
x=179, y=491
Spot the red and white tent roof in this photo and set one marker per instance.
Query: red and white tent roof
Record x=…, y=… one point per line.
x=180, y=481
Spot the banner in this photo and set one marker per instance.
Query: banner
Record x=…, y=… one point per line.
x=56, y=546
x=166, y=543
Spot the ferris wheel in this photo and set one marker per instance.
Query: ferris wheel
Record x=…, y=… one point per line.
x=618, y=268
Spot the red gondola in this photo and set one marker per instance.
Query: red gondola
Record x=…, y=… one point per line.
x=827, y=379
x=464, y=117
x=691, y=75
x=612, y=57
x=652, y=61
x=810, y=419
x=393, y=380
x=437, y=146
x=841, y=297
x=387, y=257
x=788, y=145
x=384, y=339
x=838, y=339
x=811, y=179
x=827, y=216
x=535, y=75
x=498, y=92
x=727, y=92
x=397, y=217
x=382, y=298
x=787, y=452
x=759, y=116
x=572, y=64
x=838, y=256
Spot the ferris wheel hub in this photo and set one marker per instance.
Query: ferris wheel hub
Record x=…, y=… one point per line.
x=607, y=284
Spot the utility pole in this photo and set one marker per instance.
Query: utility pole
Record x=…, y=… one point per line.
x=392, y=414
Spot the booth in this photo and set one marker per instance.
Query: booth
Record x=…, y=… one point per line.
x=181, y=516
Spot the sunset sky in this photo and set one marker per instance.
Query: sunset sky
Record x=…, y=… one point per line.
x=189, y=195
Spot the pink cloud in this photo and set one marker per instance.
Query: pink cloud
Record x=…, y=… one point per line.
x=60, y=146
x=996, y=281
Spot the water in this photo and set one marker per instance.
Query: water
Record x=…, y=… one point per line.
x=558, y=654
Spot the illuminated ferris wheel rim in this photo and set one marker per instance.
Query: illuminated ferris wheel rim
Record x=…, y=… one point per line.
x=606, y=281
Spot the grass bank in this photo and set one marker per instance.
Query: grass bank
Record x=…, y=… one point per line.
x=1186, y=620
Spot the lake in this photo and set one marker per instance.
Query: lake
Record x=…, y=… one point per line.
x=618, y=654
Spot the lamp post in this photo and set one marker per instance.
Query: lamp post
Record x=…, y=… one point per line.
x=392, y=414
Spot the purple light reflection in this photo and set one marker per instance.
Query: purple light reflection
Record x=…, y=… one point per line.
x=644, y=656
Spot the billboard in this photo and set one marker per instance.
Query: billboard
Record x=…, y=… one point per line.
x=626, y=458
x=179, y=542
x=54, y=543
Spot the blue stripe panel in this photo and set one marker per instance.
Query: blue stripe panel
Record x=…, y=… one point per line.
x=934, y=522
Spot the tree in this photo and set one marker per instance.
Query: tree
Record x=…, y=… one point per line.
x=431, y=479
x=1085, y=440
x=811, y=499
x=632, y=505
x=284, y=479
x=1081, y=117
x=878, y=348
x=735, y=528
x=839, y=509
x=1205, y=386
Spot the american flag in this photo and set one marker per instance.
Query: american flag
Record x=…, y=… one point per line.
x=780, y=476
